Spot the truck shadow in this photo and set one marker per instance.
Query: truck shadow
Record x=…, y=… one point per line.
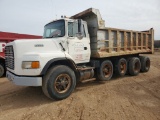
x=25, y=97
x=80, y=86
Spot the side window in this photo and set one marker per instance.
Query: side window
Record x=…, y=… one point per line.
x=70, y=29
x=73, y=29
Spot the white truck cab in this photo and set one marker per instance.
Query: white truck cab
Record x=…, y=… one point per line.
x=63, y=38
x=65, y=41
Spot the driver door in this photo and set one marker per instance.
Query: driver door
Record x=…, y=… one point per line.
x=78, y=48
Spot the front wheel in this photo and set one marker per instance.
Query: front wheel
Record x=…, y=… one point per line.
x=59, y=82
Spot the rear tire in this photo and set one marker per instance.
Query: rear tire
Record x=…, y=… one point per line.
x=59, y=82
x=2, y=70
x=134, y=66
x=121, y=67
x=145, y=63
x=105, y=71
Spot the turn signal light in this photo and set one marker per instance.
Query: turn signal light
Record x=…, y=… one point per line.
x=35, y=64
x=30, y=64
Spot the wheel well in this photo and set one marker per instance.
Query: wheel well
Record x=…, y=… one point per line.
x=2, y=61
x=64, y=61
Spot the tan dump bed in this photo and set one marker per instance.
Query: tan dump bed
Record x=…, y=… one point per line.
x=107, y=42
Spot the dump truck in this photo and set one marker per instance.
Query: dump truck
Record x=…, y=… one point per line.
x=6, y=37
x=77, y=49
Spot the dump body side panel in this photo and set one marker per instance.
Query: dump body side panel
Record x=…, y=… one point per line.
x=115, y=42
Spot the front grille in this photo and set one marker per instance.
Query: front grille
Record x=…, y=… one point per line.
x=9, y=57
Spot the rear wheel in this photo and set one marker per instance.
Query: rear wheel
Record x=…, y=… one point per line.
x=121, y=67
x=105, y=71
x=145, y=63
x=134, y=66
x=59, y=82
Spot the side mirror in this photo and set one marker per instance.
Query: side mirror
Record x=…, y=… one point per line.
x=79, y=26
x=79, y=35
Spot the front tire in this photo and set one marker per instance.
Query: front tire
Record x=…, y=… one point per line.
x=59, y=82
x=2, y=70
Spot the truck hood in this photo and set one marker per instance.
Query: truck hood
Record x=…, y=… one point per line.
x=35, y=45
x=41, y=50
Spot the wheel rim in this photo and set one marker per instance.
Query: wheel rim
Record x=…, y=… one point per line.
x=123, y=67
x=107, y=70
x=62, y=83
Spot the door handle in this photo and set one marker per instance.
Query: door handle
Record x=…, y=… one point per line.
x=85, y=48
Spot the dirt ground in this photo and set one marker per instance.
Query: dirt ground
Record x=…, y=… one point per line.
x=126, y=98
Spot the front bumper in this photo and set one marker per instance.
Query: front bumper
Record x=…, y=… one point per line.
x=24, y=81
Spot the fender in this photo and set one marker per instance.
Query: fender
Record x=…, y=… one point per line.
x=69, y=62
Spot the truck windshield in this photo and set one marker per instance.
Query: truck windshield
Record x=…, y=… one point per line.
x=54, y=29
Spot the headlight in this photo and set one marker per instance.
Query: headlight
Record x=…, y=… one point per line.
x=30, y=65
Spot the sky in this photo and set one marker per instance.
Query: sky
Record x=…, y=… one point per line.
x=30, y=16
